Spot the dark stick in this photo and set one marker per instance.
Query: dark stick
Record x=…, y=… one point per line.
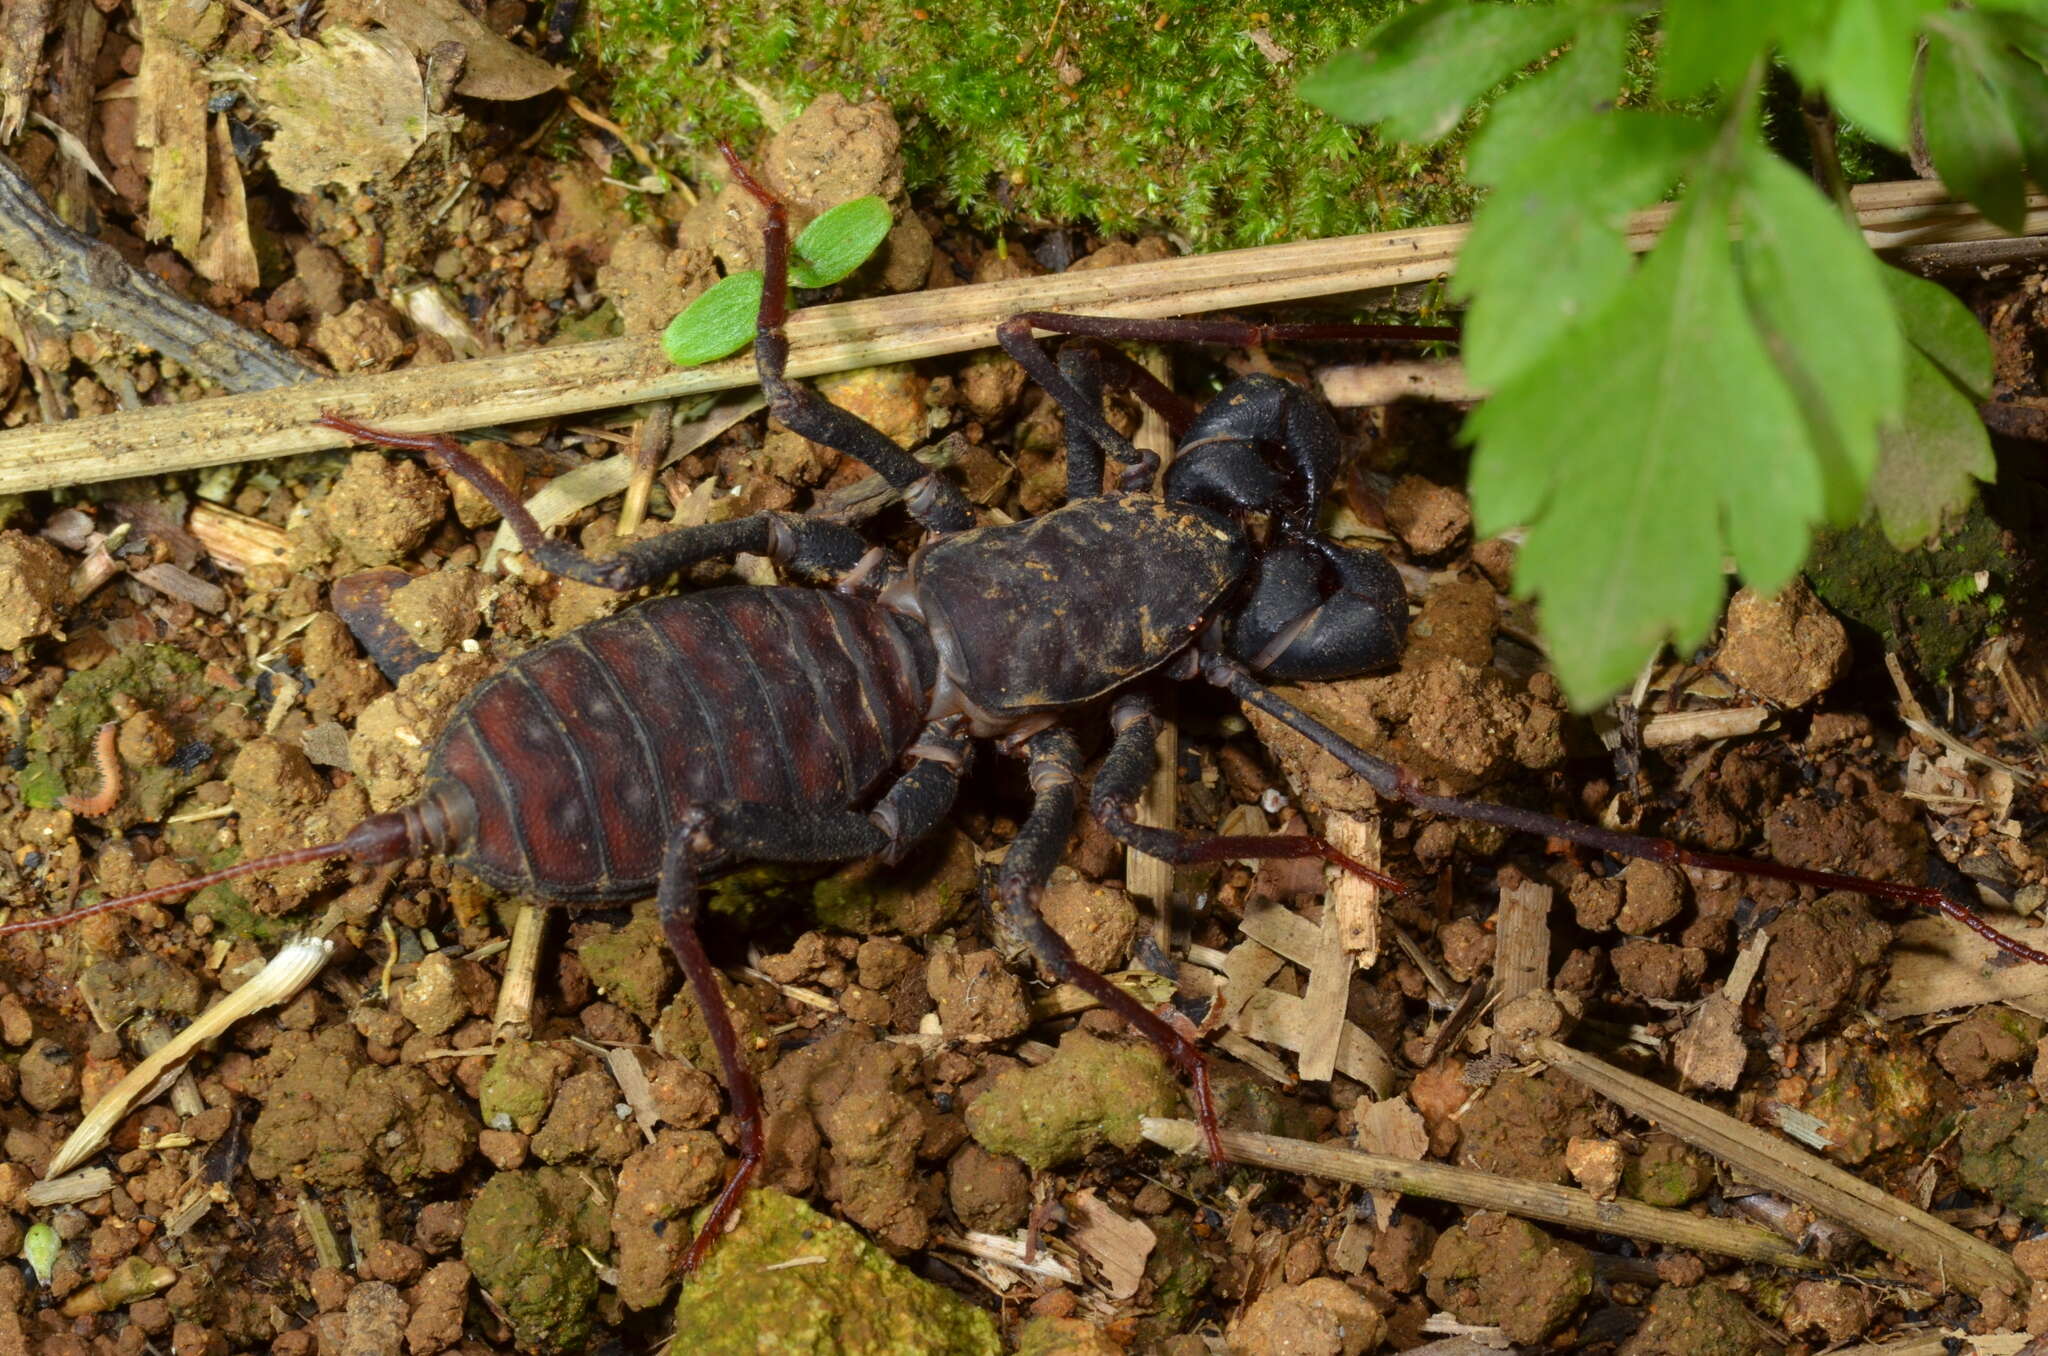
x=94, y=286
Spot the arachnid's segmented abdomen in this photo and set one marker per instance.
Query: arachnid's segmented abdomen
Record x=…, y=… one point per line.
x=580, y=756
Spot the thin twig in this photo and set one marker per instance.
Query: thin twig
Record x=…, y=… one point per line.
x=511, y=388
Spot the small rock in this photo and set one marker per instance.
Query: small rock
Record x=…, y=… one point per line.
x=50, y=1075
x=1668, y=1173
x=1658, y=970
x=1321, y=1317
x=35, y=585
x=381, y=509
x=439, y=610
x=1091, y=1091
x=1467, y=946
x=444, y=991
x=367, y=337
x=1991, y=1038
x=978, y=998
x=631, y=966
x=1596, y=1164
x=1788, y=649
x=389, y=1260
x=376, y=1320
x=987, y=1191
x=17, y=1027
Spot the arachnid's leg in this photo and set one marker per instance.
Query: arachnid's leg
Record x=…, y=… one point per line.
x=1397, y=783
x=1122, y=777
x=1089, y=367
x=810, y=549
x=1081, y=365
x=748, y=831
x=932, y=500
x=1055, y=764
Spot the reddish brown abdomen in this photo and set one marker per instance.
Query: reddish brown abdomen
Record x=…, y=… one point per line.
x=582, y=755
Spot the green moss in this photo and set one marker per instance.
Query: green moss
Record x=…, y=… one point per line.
x=2005, y=1152
x=161, y=679
x=759, y=1292
x=1090, y=1092
x=1926, y=601
x=519, y=1085
x=528, y=1239
x=631, y=966
x=1010, y=114
x=1178, y=1272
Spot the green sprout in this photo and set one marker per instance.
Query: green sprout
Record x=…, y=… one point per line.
x=721, y=321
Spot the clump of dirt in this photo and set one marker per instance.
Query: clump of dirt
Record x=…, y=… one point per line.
x=1698, y=1320
x=989, y=1192
x=379, y=512
x=528, y=1240
x=1098, y=921
x=1787, y=649
x=519, y=1085
x=1989, y=1040
x=1879, y=1100
x=846, y=1114
x=914, y=898
x=1823, y=959
x=1450, y=721
x=1668, y=1173
x=977, y=996
x=658, y=1185
x=631, y=966
x=2004, y=1151
x=1320, y=1317
x=855, y=1299
x=394, y=739
x=330, y=1118
x=441, y=609
x=35, y=587
x=1521, y=1125
x=1089, y=1093
x=1504, y=1271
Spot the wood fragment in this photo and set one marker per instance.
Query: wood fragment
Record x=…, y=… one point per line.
x=1351, y=385
x=1392, y=1128
x=1118, y=1245
x=1280, y=1019
x=23, y=26
x=1356, y=902
x=235, y=541
x=1936, y=965
x=1669, y=729
x=511, y=388
x=1147, y=877
x=1908, y=1233
x=513, y=1019
x=1488, y=1191
x=1521, y=957
x=1248, y=968
x=1323, y=1003
x=82, y=1185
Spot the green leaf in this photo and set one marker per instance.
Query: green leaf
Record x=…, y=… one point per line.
x=1941, y=327
x=1715, y=42
x=1865, y=63
x=1817, y=296
x=1970, y=132
x=1931, y=458
x=1418, y=73
x=839, y=241
x=1570, y=194
x=719, y=323
x=1654, y=435
x=1582, y=83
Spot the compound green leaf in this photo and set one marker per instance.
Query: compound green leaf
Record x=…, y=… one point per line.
x=1817, y=296
x=1569, y=195
x=718, y=324
x=1970, y=132
x=1653, y=437
x=1941, y=327
x=1931, y=457
x=1418, y=73
x=839, y=241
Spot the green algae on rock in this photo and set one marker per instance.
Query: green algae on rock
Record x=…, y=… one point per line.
x=528, y=1239
x=2004, y=1150
x=519, y=1085
x=790, y=1280
x=1090, y=1092
x=1504, y=1271
x=1698, y=1320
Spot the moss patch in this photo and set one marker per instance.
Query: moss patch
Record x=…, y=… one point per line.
x=760, y=1290
x=1927, y=601
x=1131, y=114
